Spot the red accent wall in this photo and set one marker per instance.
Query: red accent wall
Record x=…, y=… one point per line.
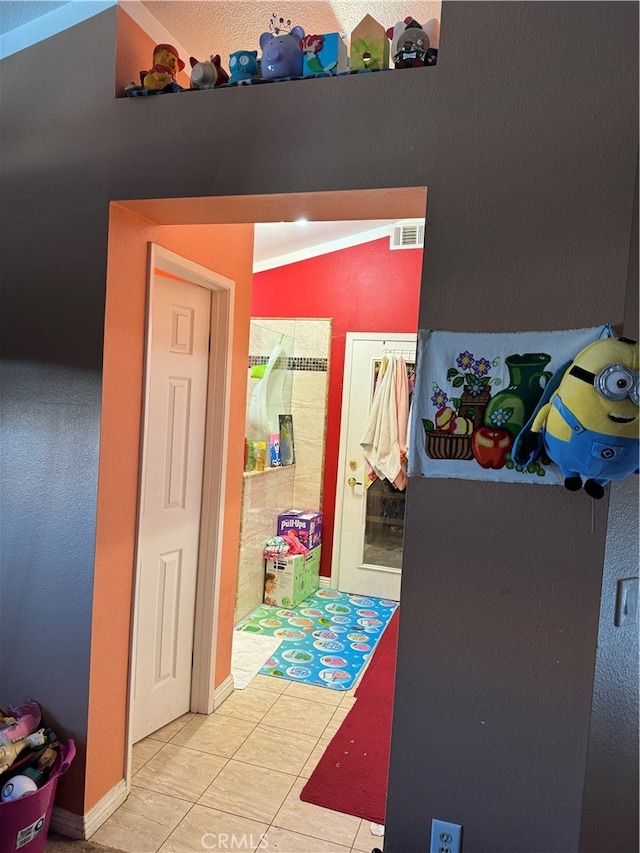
x=365, y=288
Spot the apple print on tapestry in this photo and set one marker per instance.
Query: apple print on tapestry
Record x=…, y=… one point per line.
x=326, y=640
x=474, y=393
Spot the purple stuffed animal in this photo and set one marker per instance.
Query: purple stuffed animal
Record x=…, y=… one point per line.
x=282, y=54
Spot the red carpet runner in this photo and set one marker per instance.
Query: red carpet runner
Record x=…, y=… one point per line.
x=351, y=776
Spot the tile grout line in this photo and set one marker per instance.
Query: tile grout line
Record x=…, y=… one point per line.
x=296, y=777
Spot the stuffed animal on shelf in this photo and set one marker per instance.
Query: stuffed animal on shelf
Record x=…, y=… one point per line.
x=281, y=51
x=587, y=419
x=410, y=45
x=243, y=65
x=208, y=74
x=166, y=64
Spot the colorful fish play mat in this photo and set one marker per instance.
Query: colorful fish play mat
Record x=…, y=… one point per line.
x=326, y=640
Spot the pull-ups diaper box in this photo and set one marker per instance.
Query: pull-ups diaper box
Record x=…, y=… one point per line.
x=306, y=524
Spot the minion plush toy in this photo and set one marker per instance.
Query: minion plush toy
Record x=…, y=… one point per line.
x=587, y=420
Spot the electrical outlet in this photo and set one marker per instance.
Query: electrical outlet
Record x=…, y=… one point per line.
x=445, y=837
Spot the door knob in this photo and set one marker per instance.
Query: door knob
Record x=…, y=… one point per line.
x=352, y=482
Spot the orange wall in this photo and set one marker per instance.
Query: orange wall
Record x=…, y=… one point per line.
x=228, y=250
x=134, y=53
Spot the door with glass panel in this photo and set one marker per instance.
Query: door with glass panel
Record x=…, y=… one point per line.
x=369, y=527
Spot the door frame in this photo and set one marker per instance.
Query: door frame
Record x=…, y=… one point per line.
x=205, y=634
x=350, y=339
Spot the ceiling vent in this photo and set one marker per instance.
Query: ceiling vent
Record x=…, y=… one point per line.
x=407, y=235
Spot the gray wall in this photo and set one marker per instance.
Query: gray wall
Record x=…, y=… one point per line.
x=526, y=134
x=53, y=145
x=528, y=226
x=611, y=803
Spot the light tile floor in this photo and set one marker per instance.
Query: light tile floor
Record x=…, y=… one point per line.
x=234, y=778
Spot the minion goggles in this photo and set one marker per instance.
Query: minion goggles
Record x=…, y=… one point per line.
x=614, y=382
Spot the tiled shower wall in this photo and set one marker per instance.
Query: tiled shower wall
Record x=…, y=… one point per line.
x=298, y=486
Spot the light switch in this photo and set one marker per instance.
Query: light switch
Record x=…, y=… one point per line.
x=627, y=606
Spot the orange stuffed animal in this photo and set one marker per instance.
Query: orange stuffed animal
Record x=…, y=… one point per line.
x=166, y=64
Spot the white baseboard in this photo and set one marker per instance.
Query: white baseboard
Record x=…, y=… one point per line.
x=324, y=583
x=82, y=827
x=222, y=692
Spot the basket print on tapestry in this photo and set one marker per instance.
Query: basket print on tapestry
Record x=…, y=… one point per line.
x=476, y=425
x=474, y=394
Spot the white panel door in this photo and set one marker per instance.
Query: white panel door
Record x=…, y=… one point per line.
x=170, y=501
x=367, y=552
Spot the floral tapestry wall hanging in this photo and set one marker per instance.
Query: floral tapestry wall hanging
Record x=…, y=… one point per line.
x=475, y=392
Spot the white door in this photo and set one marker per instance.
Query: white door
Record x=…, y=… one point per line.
x=367, y=554
x=170, y=500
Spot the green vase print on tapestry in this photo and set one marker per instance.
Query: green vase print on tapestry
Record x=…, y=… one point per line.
x=512, y=407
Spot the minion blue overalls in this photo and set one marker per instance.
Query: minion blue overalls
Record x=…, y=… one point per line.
x=609, y=457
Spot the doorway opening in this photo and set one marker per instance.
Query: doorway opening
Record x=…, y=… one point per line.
x=367, y=554
x=218, y=234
